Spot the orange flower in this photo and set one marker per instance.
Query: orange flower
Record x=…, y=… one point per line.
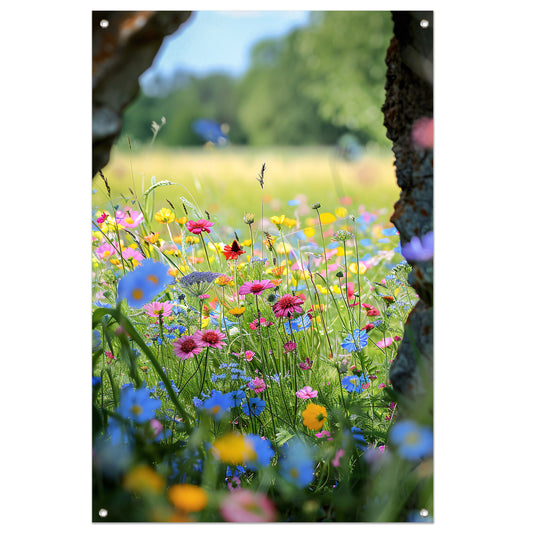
x=233, y=251
x=152, y=238
x=314, y=416
x=187, y=498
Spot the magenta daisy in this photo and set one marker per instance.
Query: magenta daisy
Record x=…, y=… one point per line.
x=186, y=347
x=288, y=304
x=210, y=338
x=197, y=226
x=255, y=287
x=157, y=309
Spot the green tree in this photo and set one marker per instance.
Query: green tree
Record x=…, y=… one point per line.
x=344, y=53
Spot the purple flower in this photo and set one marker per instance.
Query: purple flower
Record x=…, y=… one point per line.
x=419, y=249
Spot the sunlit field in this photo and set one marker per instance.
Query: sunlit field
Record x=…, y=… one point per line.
x=224, y=181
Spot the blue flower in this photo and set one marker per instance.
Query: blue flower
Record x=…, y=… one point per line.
x=237, y=396
x=137, y=405
x=97, y=339
x=419, y=249
x=356, y=341
x=388, y=232
x=236, y=471
x=96, y=380
x=298, y=324
x=262, y=449
x=210, y=131
x=217, y=404
x=216, y=377
x=143, y=283
x=253, y=407
x=412, y=440
x=357, y=434
x=353, y=383
x=296, y=464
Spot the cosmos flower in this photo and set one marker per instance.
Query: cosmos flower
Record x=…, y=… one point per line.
x=296, y=464
x=387, y=341
x=288, y=305
x=129, y=219
x=233, y=251
x=306, y=393
x=137, y=404
x=105, y=251
x=210, y=338
x=255, y=287
x=257, y=385
x=419, y=249
x=186, y=347
x=264, y=324
x=158, y=309
x=197, y=226
x=236, y=397
x=217, y=404
x=354, y=383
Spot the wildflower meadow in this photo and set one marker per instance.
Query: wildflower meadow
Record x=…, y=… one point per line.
x=240, y=373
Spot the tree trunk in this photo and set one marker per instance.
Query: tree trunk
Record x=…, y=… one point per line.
x=409, y=97
x=124, y=46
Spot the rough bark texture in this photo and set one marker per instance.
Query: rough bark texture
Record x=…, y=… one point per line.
x=409, y=96
x=122, y=51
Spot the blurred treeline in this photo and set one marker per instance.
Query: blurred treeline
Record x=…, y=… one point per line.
x=310, y=87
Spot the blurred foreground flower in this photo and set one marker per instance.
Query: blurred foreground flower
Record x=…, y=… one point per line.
x=243, y=505
x=187, y=498
x=297, y=463
x=412, y=440
x=419, y=249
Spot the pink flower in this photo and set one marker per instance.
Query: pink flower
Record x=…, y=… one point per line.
x=324, y=433
x=397, y=338
x=306, y=393
x=289, y=346
x=156, y=427
x=131, y=253
x=234, y=483
x=186, y=347
x=197, y=226
x=306, y=365
x=387, y=341
x=102, y=218
x=129, y=219
x=255, y=287
x=264, y=323
x=243, y=505
x=210, y=338
x=257, y=385
x=422, y=133
x=249, y=355
x=381, y=386
x=336, y=460
x=288, y=304
x=105, y=250
x=157, y=309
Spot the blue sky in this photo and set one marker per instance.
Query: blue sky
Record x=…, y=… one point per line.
x=221, y=40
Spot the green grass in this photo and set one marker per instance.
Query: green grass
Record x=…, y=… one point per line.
x=223, y=182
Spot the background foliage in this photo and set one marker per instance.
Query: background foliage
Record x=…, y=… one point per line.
x=307, y=88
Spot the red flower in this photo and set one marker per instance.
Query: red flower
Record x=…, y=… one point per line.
x=197, y=226
x=233, y=251
x=288, y=304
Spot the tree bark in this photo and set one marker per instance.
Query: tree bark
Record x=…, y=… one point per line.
x=124, y=46
x=409, y=96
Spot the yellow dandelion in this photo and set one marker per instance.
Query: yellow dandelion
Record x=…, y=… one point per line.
x=232, y=448
x=164, y=215
x=314, y=416
x=188, y=498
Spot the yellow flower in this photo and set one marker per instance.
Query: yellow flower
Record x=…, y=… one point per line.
x=289, y=222
x=152, y=238
x=314, y=416
x=327, y=218
x=233, y=448
x=224, y=280
x=187, y=497
x=309, y=232
x=181, y=220
x=247, y=242
x=191, y=239
x=341, y=212
x=164, y=215
x=283, y=248
x=142, y=478
x=353, y=268
x=277, y=220
x=237, y=311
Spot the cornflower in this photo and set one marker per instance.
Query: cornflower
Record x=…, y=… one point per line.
x=253, y=407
